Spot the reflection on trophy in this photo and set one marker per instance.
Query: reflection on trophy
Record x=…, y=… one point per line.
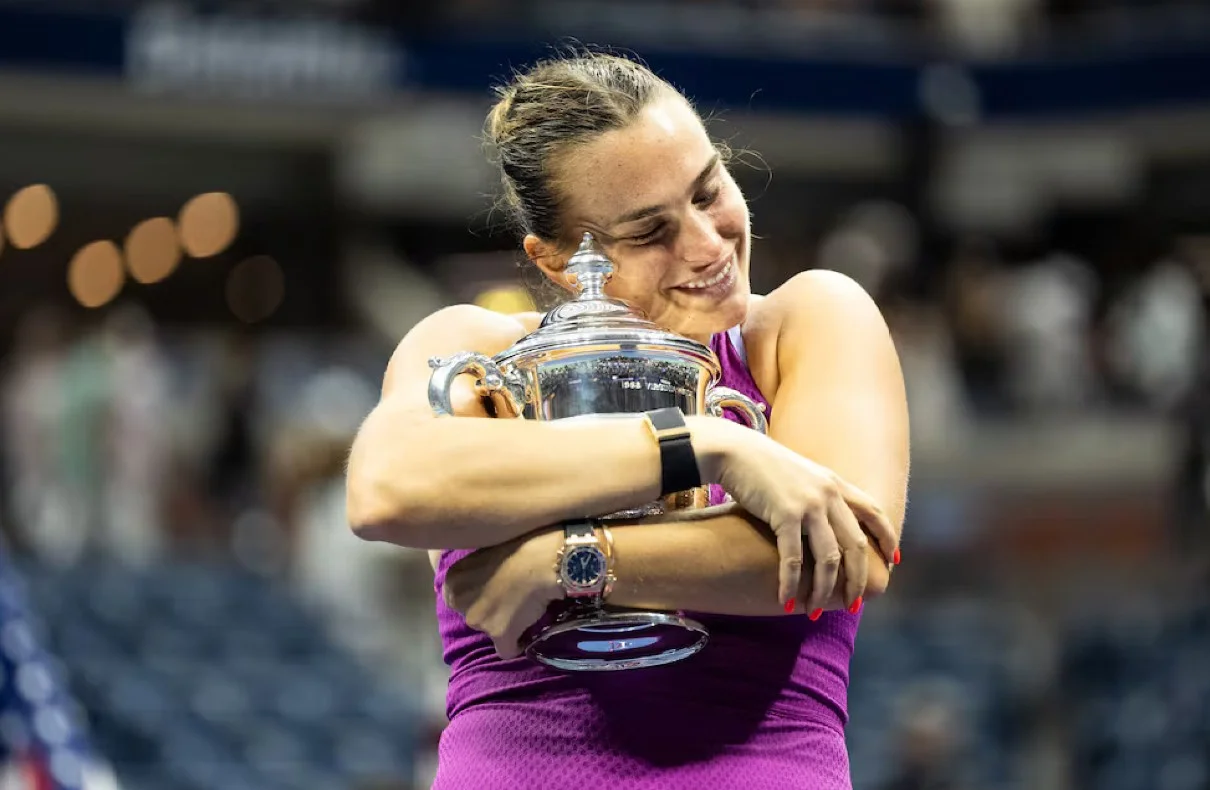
x=592, y=358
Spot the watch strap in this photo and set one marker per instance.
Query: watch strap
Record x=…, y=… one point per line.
x=678, y=462
x=582, y=529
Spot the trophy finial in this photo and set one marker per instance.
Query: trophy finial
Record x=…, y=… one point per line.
x=589, y=270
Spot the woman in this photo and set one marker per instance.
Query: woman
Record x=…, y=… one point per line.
x=598, y=143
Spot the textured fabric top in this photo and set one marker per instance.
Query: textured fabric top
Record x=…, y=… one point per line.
x=763, y=705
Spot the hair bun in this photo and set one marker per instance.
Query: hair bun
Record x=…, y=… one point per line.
x=497, y=119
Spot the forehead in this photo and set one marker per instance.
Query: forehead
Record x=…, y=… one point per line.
x=652, y=161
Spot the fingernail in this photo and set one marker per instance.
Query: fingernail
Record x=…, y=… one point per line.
x=790, y=606
x=816, y=614
x=895, y=558
x=856, y=607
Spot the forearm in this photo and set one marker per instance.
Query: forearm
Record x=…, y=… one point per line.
x=722, y=560
x=462, y=482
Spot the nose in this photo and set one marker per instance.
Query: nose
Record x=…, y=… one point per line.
x=701, y=243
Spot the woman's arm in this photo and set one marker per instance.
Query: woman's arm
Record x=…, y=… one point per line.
x=430, y=482
x=725, y=561
x=840, y=401
x=720, y=560
x=840, y=397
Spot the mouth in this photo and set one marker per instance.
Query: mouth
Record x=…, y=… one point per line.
x=714, y=283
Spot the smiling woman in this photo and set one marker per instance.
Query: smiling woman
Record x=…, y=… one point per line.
x=597, y=143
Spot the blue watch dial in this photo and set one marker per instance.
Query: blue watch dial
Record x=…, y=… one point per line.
x=584, y=566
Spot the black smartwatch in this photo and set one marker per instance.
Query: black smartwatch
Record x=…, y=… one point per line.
x=678, y=462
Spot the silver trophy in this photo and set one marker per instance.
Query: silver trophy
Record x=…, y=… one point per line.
x=595, y=358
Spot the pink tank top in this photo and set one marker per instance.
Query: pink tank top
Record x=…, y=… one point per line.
x=763, y=706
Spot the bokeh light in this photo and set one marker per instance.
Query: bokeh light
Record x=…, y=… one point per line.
x=30, y=216
x=152, y=250
x=506, y=299
x=255, y=288
x=208, y=224
x=95, y=275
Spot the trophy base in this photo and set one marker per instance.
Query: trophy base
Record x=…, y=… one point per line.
x=610, y=641
x=690, y=499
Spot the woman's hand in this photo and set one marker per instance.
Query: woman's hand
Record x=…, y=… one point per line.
x=503, y=590
x=798, y=497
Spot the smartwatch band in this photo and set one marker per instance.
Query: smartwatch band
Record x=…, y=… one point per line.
x=678, y=462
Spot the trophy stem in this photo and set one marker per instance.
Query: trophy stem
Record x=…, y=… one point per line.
x=592, y=285
x=590, y=270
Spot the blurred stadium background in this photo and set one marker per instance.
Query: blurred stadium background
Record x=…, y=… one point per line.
x=220, y=215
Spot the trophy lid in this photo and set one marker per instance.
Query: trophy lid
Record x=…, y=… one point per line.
x=596, y=320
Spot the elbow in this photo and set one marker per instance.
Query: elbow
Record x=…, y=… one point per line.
x=878, y=579
x=365, y=512
x=377, y=515
x=382, y=507
x=367, y=521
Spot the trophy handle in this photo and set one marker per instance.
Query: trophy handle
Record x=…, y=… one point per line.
x=492, y=381
x=753, y=412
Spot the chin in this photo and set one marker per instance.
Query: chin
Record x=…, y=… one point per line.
x=735, y=308
x=727, y=314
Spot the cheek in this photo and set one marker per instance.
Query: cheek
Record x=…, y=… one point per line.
x=635, y=279
x=731, y=215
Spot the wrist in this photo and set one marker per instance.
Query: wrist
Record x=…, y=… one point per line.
x=542, y=550
x=711, y=444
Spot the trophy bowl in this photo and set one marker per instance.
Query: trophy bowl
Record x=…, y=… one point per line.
x=598, y=358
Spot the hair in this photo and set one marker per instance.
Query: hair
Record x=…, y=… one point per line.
x=544, y=112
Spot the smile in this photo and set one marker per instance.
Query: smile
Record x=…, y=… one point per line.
x=723, y=278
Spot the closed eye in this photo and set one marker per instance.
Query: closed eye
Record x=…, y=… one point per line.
x=708, y=197
x=648, y=237
x=703, y=199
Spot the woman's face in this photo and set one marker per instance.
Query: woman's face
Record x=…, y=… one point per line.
x=664, y=208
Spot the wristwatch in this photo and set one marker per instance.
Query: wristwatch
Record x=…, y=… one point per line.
x=678, y=461
x=585, y=562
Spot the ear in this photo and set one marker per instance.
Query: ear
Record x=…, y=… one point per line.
x=548, y=258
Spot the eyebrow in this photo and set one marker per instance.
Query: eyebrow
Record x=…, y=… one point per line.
x=650, y=211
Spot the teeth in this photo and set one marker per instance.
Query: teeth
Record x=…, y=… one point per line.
x=715, y=280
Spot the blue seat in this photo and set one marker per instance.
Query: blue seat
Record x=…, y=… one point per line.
x=370, y=754
x=196, y=676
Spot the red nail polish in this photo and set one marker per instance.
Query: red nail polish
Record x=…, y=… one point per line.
x=790, y=606
x=816, y=614
x=856, y=607
x=896, y=557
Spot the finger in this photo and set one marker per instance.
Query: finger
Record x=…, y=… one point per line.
x=871, y=515
x=789, y=548
x=826, y=551
x=510, y=643
x=853, y=547
x=507, y=647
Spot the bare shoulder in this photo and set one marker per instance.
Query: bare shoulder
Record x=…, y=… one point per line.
x=821, y=306
x=816, y=314
x=461, y=327
x=821, y=296
x=530, y=321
